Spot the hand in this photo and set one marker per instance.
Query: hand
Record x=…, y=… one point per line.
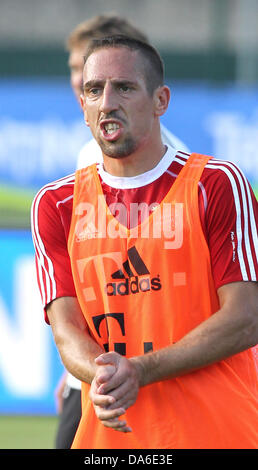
x=114, y=389
x=108, y=417
x=59, y=393
x=123, y=385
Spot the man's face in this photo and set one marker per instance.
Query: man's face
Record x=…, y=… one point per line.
x=116, y=103
x=76, y=63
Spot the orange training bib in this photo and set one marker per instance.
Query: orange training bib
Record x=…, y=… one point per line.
x=142, y=290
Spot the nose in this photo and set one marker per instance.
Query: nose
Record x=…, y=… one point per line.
x=109, y=101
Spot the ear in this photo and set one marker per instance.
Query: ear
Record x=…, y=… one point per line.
x=82, y=103
x=161, y=100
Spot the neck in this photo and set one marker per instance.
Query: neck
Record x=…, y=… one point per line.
x=142, y=160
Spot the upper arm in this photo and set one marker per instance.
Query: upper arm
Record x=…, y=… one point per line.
x=65, y=313
x=50, y=228
x=239, y=306
x=231, y=221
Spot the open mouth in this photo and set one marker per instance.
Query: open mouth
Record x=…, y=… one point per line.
x=111, y=127
x=111, y=130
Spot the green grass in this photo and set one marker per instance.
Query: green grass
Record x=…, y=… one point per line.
x=15, y=207
x=28, y=432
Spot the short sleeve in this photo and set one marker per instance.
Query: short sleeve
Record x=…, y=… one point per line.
x=231, y=223
x=50, y=221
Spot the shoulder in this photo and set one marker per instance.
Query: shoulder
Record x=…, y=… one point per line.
x=222, y=182
x=226, y=178
x=54, y=190
x=51, y=215
x=48, y=198
x=219, y=174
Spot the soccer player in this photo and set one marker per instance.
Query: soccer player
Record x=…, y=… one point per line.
x=68, y=391
x=148, y=269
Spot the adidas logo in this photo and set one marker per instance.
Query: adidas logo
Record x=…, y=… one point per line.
x=132, y=282
x=89, y=232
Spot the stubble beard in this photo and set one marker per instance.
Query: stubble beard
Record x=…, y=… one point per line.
x=118, y=149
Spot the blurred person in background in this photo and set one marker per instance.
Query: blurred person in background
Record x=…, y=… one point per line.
x=68, y=394
x=181, y=365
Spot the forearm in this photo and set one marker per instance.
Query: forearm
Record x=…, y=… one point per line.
x=200, y=348
x=224, y=334
x=78, y=352
x=77, y=348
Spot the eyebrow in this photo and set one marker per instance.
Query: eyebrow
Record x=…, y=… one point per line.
x=95, y=83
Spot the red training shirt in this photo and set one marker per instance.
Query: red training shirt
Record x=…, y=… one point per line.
x=228, y=213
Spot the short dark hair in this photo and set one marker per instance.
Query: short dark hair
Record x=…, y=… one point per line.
x=154, y=67
x=101, y=26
